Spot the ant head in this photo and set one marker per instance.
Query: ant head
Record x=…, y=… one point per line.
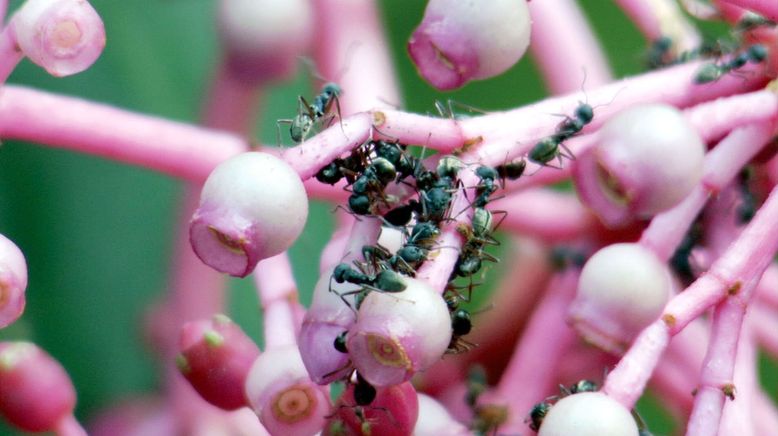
x=331, y=88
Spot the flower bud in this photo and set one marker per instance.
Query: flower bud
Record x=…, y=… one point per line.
x=458, y=41
x=588, y=414
x=647, y=160
x=434, y=420
x=252, y=206
x=283, y=397
x=215, y=358
x=63, y=36
x=622, y=289
x=394, y=411
x=263, y=38
x=35, y=391
x=326, y=319
x=13, y=282
x=399, y=333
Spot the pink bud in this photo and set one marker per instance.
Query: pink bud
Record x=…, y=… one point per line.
x=394, y=411
x=622, y=289
x=588, y=414
x=434, y=420
x=63, y=36
x=398, y=334
x=327, y=318
x=458, y=41
x=252, y=206
x=216, y=356
x=647, y=160
x=281, y=394
x=35, y=391
x=13, y=282
x=264, y=37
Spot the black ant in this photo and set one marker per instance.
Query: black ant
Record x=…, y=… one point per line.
x=309, y=113
x=461, y=325
x=553, y=147
x=540, y=410
x=383, y=281
x=340, y=342
x=754, y=54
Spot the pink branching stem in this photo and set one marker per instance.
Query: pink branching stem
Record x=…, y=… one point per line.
x=722, y=164
x=565, y=48
x=363, y=232
x=3, y=10
x=658, y=18
x=527, y=124
x=745, y=259
x=235, y=110
x=738, y=415
x=336, y=246
x=550, y=215
x=765, y=8
x=174, y=148
x=767, y=290
x=10, y=55
x=278, y=296
x=351, y=41
x=69, y=426
x=716, y=378
x=529, y=376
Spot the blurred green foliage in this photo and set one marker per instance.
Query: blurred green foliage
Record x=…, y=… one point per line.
x=97, y=235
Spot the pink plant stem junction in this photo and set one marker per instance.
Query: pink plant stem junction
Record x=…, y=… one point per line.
x=10, y=56
x=765, y=8
x=745, y=259
x=565, y=48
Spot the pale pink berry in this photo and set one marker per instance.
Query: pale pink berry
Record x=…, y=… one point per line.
x=263, y=38
x=435, y=420
x=458, y=41
x=400, y=333
x=327, y=318
x=623, y=288
x=13, y=282
x=646, y=160
x=286, y=401
x=588, y=414
x=63, y=36
x=252, y=206
x=36, y=393
x=215, y=358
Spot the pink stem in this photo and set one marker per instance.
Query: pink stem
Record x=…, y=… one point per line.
x=352, y=50
x=529, y=376
x=363, y=232
x=565, y=48
x=278, y=295
x=767, y=290
x=716, y=378
x=10, y=55
x=175, y=148
x=232, y=102
x=658, y=18
x=547, y=214
x=745, y=259
x=765, y=326
x=69, y=426
x=765, y=8
x=765, y=414
x=722, y=164
x=738, y=416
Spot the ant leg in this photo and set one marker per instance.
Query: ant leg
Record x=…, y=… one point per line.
x=356, y=217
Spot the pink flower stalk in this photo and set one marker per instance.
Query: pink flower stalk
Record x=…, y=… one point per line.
x=457, y=42
x=766, y=8
x=13, y=282
x=394, y=411
x=36, y=393
x=262, y=38
x=648, y=158
x=252, y=206
x=588, y=414
x=63, y=36
x=215, y=358
x=400, y=333
x=283, y=397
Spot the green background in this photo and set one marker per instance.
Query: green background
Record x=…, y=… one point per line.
x=97, y=235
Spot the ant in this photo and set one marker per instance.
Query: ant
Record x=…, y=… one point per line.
x=406, y=259
x=511, y=170
x=383, y=281
x=537, y=414
x=309, y=113
x=540, y=410
x=553, y=147
x=754, y=54
x=340, y=342
x=461, y=325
